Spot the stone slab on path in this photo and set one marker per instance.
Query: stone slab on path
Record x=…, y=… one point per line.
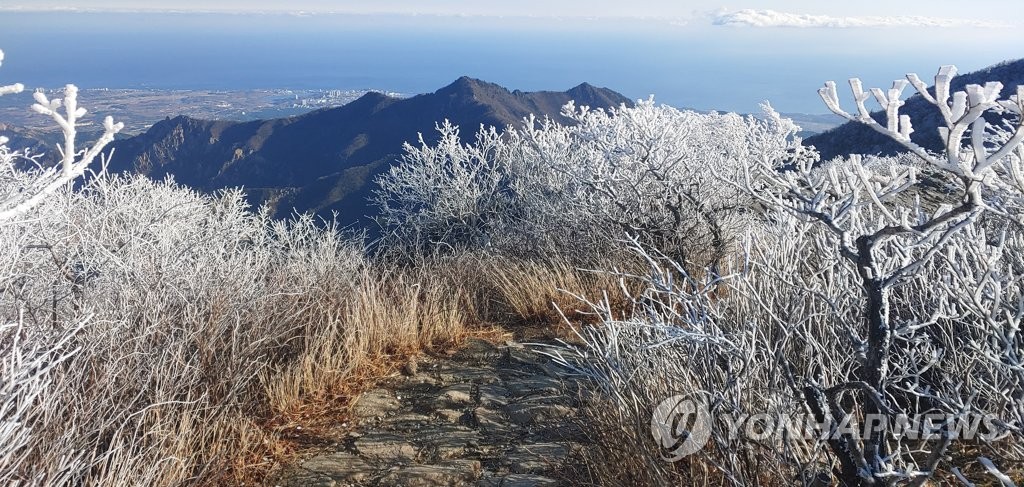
x=485, y=416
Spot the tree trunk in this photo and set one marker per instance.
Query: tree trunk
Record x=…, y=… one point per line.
x=877, y=367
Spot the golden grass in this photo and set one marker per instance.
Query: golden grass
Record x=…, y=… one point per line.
x=390, y=315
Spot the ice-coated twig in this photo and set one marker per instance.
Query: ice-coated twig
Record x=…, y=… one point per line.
x=9, y=89
x=74, y=162
x=965, y=112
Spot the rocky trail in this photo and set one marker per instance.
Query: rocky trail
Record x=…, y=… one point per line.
x=485, y=416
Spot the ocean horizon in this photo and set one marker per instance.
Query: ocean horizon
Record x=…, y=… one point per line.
x=410, y=54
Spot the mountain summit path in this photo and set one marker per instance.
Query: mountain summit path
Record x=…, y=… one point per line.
x=485, y=416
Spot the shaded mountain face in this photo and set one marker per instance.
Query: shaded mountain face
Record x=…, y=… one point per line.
x=857, y=138
x=325, y=161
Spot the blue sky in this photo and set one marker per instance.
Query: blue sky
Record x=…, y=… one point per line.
x=721, y=55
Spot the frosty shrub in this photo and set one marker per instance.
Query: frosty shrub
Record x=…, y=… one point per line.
x=577, y=191
x=876, y=291
x=153, y=335
x=164, y=307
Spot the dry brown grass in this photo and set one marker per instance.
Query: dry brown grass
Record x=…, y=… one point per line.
x=394, y=313
x=187, y=340
x=534, y=298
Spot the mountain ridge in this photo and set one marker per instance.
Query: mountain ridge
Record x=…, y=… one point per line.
x=324, y=161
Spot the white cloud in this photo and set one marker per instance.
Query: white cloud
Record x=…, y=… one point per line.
x=772, y=18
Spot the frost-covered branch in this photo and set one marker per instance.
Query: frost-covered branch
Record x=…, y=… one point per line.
x=24, y=190
x=578, y=190
x=8, y=90
x=963, y=114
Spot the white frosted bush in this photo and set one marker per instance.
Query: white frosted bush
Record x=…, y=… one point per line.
x=143, y=325
x=880, y=287
x=21, y=190
x=579, y=190
x=192, y=303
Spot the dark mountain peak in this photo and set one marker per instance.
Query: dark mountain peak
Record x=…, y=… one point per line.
x=178, y=120
x=326, y=160
x=466, y=86
x=372, y=97
x=593, y=96
x=372, y=101
x=584, y=87
x=170, y=124
x=466, y=82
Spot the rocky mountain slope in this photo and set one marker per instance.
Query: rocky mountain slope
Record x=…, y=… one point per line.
x=325, y=161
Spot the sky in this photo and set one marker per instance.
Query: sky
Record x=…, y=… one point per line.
x=700, y=54
x=981, y=10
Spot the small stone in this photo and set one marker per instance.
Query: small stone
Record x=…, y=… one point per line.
x=410, y=368
x=450, y=415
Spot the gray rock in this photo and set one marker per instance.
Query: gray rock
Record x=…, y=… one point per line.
x=493, y=396
x=376, y=403
x=534, y=385
x=298, y=477
x=537, y=458
x=325, y=470
x=445, y=443
x=386, y=446
x=468, y=373
x=452, y=473
x=478, y=350
x=531, y=414
x=406, y=422
x=518, y=480
x=490, y=421
x=455, y=396
x=524, y=356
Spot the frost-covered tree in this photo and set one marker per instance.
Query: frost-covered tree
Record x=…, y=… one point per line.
x=889, y=221
x=20, y=191
x=876, y=288
x=578, y=190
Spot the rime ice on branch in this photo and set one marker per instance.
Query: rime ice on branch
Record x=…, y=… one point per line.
x=879, y=225
x=8, y=90
x=41, y=183
x=964, y=113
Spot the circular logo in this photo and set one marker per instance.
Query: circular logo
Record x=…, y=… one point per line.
x=681, y=425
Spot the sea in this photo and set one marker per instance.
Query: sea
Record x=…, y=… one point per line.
x=700, y=67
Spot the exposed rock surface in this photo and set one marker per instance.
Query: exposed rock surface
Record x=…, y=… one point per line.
x=486, y=416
